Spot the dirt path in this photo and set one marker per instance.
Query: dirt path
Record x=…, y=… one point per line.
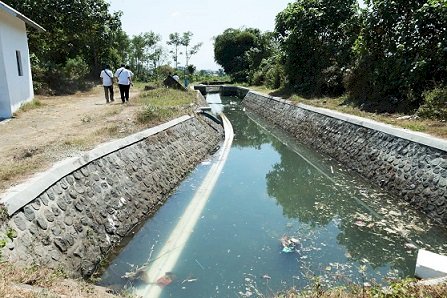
x=63, y=126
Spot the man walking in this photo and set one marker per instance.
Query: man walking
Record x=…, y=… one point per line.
x=107, y=82
x=123, y=76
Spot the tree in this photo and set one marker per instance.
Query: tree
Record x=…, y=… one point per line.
x=400, y=53
x=239, y=51
x=144, y=52
x=77, y=31
x=316, y=37
x=191, y=69
x=186, y=41
x=175, y=40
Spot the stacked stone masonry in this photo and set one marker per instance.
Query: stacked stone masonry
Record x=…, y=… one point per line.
x=78, y=220
x=408, y=170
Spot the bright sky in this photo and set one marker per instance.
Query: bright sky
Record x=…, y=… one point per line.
x=204, y=19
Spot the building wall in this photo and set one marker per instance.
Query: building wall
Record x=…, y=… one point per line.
x=14, y=89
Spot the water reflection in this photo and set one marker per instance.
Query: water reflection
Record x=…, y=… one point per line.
x=375, y=229
x=307, y=195
x=272, y=186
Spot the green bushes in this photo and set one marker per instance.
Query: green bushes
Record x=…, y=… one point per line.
x=316, y=37
x=434, y=104
x=384, y=56
x=400, y=52
x=51, y=78
x=75, y=68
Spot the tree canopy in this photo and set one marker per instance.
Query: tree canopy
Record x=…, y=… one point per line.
x=390, y=56
x=82, y=28
x=316, y=37
x=83, y=36
x=240, y=51
x=400, y=52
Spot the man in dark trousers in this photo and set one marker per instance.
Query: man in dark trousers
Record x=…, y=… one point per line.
x=107, y=81
x=123, y=76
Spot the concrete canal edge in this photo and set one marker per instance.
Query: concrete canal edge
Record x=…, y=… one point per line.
x=409, y=165
x=74, y=214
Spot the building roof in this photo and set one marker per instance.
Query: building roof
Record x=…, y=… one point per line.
x=15, y=13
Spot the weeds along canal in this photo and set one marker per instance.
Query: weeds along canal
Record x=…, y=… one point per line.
x=271, y=187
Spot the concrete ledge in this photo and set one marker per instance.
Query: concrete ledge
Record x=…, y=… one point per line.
x=430, y=265
x=413, y=136
x=226, y=90
x=18, y=196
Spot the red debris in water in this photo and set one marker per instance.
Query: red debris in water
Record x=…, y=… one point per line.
x=164, y=280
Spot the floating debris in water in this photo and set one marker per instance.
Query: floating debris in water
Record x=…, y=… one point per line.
x=189, y=280
x=290, y=244
x=266, y=277
x=410, y=245
x=165, y=280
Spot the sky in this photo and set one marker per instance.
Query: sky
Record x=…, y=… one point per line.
x=205, y=19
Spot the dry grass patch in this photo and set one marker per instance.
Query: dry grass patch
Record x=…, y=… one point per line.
x=397, y=289
x=39, y=282
x=340, y=104
x=28, y=106
x=10, y=170
x=432, y=127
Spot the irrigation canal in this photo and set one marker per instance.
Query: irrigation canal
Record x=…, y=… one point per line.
x=269, y=187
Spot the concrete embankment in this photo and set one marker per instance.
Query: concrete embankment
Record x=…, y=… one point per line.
x=74, y=214
x=225, y=90
x=410, y=165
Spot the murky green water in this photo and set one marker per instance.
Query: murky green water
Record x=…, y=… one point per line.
x=271, y=187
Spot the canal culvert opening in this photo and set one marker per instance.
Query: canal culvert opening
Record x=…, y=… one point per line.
x=270, y=187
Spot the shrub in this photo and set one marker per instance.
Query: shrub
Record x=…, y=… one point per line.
x=258, y=78
x=434, y=104
x=275, y=77
x=76, y=68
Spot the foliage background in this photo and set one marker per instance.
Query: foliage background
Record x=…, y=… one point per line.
x=390, y=56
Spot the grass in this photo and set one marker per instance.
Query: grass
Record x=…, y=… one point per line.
x=38, y=282
x=164, y=104
x=396, y=289
x=31, y=105
x=77, y=142
x=340, y=104
x=13, y=169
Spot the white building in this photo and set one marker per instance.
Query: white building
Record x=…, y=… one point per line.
x=16, y=86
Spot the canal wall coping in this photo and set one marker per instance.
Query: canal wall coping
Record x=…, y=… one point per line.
x=22, y=194
x=410, y=165
x=74, y=214
x=225, y=90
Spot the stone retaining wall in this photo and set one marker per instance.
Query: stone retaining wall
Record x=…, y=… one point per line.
x=409, y=165
x=76, y=221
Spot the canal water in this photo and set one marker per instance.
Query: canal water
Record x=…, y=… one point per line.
x=271, y=187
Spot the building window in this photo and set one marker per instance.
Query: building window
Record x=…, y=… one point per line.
x=19, y=63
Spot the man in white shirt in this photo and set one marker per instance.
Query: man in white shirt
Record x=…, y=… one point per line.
x=130, y=75
x=123, y=76
x=107, y=82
